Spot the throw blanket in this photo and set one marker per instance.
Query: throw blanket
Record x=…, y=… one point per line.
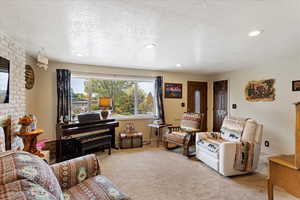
x=244, y=156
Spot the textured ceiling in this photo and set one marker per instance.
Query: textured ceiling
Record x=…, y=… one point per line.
x=205, y=36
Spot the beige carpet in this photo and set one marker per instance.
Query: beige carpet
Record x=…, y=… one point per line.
x=156, y=174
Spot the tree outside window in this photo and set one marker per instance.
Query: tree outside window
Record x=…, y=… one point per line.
x=130, y=98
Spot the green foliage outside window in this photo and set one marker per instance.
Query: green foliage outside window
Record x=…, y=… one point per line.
x=129, y=98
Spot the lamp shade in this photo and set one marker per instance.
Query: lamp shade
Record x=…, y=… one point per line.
x=105, y=102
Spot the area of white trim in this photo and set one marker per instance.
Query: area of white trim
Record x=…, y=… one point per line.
x=133, y=117
x=103, y=76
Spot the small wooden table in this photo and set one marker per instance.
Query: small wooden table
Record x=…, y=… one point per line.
x=285, y=174
x=159, y=132
x=30, y=140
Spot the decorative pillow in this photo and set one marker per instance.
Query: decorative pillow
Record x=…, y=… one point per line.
x=22, y=165
x=249, y=131
x=191, y=121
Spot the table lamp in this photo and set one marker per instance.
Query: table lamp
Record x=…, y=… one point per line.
x=105, y=103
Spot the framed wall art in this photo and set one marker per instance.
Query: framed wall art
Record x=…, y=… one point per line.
x=260, y=90
x=173, y=90
x=296, y=85
x=29, y=77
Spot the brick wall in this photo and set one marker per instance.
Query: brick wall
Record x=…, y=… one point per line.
x=14, y=52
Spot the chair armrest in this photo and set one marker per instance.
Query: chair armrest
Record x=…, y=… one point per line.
x=227, y=158
x=71, y=172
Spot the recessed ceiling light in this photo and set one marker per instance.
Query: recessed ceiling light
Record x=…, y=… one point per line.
x=150, y=46
x=255, y=33
x=79, y=54
x=178, y=65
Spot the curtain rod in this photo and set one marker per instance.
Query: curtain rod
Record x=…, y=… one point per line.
x=109, y=74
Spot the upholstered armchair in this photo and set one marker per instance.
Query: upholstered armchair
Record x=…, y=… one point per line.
x=221, y=150
x=184, y=135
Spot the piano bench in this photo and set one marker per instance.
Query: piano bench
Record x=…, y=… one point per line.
x=101, y=142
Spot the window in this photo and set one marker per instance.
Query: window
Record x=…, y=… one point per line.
x=131, y=97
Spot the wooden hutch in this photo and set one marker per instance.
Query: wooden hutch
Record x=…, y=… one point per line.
x=284, y=170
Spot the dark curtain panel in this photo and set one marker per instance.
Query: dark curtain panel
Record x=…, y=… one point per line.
x=63, y=78
x=159, y=98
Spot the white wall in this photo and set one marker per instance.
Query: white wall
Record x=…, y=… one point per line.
x=14, y=52
x=45, y=94
x=278, y=117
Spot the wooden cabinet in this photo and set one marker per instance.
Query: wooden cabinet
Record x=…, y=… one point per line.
x=285, y=169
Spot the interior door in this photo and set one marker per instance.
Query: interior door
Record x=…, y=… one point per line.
x=197, y=99
x=220, y=103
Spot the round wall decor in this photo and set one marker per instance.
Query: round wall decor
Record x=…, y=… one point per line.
x=29, y=77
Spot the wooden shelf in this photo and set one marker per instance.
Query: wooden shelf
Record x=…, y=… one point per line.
x=35, y=132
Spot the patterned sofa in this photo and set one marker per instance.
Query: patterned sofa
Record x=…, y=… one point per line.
x=25, y=176
x=221, y=150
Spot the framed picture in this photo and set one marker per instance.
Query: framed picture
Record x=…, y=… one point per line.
x=260, y=90
x=296, y=85
x=173, y=90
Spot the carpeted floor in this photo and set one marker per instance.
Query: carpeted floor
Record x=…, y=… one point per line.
x=156, y=174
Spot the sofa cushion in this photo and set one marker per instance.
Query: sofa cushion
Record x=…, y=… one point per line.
x=191, y=121
x=74, y=171
x=97, y=187
x=232, y=128
x=19, y=165
x=177, y=137
x=249, y=132
x=24, y=190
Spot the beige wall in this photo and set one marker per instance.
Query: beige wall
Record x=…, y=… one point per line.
x=278, y=117
x=44, y=105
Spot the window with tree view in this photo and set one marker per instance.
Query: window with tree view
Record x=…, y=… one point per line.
x=130, y=97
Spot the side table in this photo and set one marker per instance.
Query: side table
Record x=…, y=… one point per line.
x=131, y=140
x=30, y=140
x=285, y=174
x=158, y=127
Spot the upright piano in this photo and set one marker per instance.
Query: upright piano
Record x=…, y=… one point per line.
x=75, y=138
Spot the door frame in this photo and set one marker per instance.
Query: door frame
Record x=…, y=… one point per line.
x=213, y=99
x=205, y=83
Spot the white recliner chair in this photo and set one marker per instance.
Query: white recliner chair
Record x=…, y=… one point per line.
x=219, y=153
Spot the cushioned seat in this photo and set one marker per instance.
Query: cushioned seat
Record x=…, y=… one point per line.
x=97, y=187
x=185, y=134
x=219, y=150
x=209, y=144
x=176, y=137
